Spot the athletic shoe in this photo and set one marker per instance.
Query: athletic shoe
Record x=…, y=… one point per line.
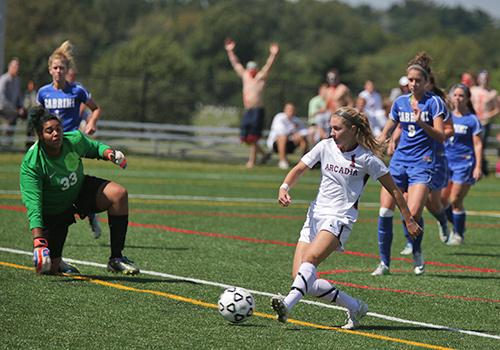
x=382, y=269
x=444, y=235
x=455, y=239
x=278, y=305
x=64, y=267
x=418, y=262
x=123, y=265
x=354, y=316
x=407, y=250
x=283, y=164
x=94, y=225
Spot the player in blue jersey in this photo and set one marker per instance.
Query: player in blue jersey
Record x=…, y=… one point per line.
x=464, y=154
x=63, y=99
x=420, y=115
x=440, y=176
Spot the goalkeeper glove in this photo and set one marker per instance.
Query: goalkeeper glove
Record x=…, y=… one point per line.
x=118, y=158
x=41, y=255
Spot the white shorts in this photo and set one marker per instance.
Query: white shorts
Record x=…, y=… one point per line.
x=340, y=227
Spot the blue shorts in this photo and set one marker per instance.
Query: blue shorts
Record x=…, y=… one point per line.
x=440, y=176
x=461, y=173
x=252, y=125
x=406, y=175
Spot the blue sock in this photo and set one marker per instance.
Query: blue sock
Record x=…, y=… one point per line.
x=417, y=242
x=385, y=238
x=459, y=222
x=449, y=213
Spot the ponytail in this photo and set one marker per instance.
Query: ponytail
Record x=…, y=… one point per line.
x=63, y=53
x=364, y=135
x=37, y=116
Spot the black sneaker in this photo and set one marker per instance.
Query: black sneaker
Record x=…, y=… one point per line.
x=122, y=265
x=64, y=267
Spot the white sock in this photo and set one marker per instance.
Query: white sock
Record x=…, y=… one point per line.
x=328, y=292
x=301, y=285
x=347, y=301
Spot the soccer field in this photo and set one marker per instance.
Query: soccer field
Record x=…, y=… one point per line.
x=196, y=228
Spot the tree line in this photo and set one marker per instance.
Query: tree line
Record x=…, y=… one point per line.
x=159, y=60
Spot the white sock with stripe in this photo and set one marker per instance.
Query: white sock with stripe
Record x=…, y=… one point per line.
x=303, y=282
x=323, y=289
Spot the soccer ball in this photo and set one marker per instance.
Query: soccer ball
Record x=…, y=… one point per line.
x=236, y=304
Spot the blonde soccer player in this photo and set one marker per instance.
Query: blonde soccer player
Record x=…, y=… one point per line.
x=347, y=160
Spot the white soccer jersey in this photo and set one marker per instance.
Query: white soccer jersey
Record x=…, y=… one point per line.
x=343, y=177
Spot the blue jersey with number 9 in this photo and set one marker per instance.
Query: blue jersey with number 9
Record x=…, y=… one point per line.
x=416, y=147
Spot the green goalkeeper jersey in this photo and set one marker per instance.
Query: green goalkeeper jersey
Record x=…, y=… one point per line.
x=50, y=185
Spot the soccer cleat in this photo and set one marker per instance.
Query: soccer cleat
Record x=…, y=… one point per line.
x=407, y=250
x=354, y=316
x=283, y=164
x=382, y=269
x=64, y=267
x=122, y=265
x=94, y=225
x=418, y=263
x=278, y=305
x=455, y=239
x=444, y=235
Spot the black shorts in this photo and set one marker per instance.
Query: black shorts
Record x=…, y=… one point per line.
x=56, y=225
x=252, y=125
x=290, y=147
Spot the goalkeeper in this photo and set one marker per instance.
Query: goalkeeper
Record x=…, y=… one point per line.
x=54, y=189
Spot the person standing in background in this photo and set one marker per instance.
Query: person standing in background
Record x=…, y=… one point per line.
x=11, y=101
x=254, y=82
x=373, y=108
x=64, y=99
x=29, y=102
x=337, y=94
x=485, y=101
x=318, y=116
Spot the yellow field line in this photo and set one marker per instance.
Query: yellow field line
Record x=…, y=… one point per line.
x=214, y=306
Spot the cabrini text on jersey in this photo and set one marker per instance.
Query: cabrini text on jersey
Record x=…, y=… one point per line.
x=51, y=103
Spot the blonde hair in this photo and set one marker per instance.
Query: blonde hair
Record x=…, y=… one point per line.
x=422, y=62
x=63, y=53
x=364, y=135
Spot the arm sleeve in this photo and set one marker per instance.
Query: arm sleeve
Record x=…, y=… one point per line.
x=31, y=193
x=39, y=98
x=477, y=127
x=82, y=93
x=376, y=168
x=87, y=147
x=393, y=114
x=438, y=108
x=314, y=155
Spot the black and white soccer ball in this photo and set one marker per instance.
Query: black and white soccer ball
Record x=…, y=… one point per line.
x=236, y=304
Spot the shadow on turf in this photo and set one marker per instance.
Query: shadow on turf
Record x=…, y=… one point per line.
x=375, y=328
x=103, y=244
x=397, y=328
x=463, y=276
x=477, y=254
x=134, y=279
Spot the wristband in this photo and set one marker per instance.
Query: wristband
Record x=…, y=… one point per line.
x=285, y=186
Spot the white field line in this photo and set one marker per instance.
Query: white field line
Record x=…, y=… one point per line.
x=250, y=200
x=310, y=302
